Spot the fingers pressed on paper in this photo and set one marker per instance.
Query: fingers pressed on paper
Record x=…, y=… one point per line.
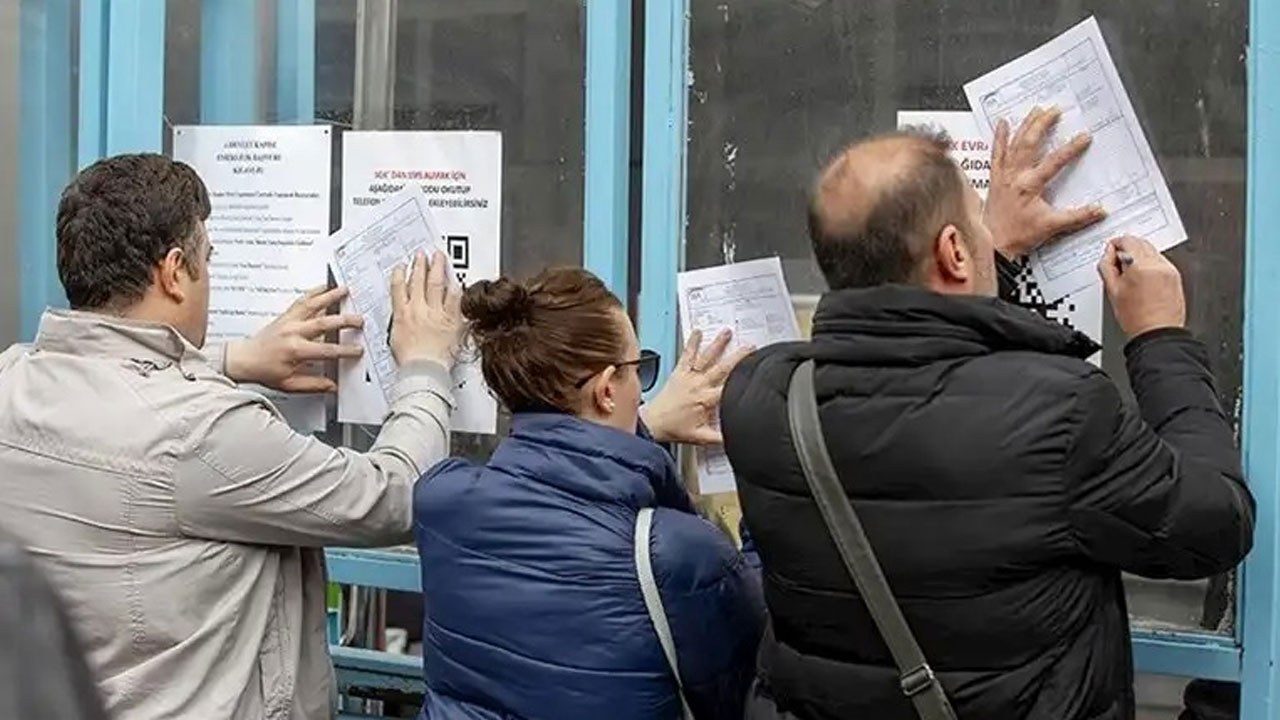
x=713, y=354
x=399, y=294
x=1000, y=145
x=324, y=324
x=720, y=373
x=313, y=350
x=1069, y=221
x=436, y=280
x=418, y=277
x=1044, y=122
x=689, y=357
x=1057, y=161
x=1020, y=134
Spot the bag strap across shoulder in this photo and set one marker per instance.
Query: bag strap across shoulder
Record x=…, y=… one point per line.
x=653, y=601
x=916, y=678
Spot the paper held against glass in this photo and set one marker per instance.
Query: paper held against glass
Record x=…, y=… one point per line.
x=364, y=256
x=752, y=300
x=1074, y=73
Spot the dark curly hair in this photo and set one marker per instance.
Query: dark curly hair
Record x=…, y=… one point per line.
x=118, y=218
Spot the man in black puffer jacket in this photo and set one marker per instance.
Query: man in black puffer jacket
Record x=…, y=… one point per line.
x=1003, y=481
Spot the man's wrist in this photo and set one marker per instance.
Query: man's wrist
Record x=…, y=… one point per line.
x=232, y=364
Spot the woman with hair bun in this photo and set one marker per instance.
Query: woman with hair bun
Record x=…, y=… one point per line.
x=531, y=563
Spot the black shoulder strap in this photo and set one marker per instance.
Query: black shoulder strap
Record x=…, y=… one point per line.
x=916, y=677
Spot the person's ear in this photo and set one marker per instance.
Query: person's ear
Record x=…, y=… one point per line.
x=603, y=393
x=952, y=256
x=172, y=274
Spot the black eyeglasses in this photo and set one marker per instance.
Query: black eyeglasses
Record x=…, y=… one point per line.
x=647, y=366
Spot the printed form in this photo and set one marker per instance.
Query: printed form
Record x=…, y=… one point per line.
x=364, y=256
x=1074, y=73
x=752, y=300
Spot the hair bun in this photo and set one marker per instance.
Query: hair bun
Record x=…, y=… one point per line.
x=497, y=305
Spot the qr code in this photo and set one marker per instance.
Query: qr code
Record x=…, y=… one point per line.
x=1029, y=295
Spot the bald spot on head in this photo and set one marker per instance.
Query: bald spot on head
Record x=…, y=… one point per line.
x=875, y=208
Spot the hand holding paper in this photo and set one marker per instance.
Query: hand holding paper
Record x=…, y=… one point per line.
x=1017, y=213
x=688, y=406
x=426, y=312
x=283, y=355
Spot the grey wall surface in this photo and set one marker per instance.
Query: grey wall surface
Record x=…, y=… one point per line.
x=8, y=172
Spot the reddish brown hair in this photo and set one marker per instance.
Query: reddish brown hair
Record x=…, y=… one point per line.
x=538, y=339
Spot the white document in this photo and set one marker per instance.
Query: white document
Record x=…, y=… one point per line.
x=269, y=191
x=1074, y=73
x=364, y=255
x=1082, y=309
x=459, y=176
x=752, y=300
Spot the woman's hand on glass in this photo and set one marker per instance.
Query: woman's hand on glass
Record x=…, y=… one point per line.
x=686, y=410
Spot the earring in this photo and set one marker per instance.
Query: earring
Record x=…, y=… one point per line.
x=608, y=405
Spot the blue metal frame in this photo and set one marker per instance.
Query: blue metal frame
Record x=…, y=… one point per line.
x=228, y=62
x=45, y=152
x=295, y=61
x=607, y=142
x=1260, y=675
x=662, y=213
x=135, y=77
x=94, y=38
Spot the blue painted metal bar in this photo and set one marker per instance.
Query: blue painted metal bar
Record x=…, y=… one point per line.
x=135, y=77
x=1186, y=655
x=666, y=56
x=386, y=569
x=228, y=62
x=1260, y=675
x=45, y=153
x=91, y=140
x=608, y=125
x=295, y=61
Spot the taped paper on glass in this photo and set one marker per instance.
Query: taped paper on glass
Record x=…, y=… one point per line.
x=752, y=300
x=1074, y=73
x=1080, y=310
x=459, y=175
x=269, y=192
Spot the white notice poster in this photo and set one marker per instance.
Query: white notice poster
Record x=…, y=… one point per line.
x=749, y=298
x=1080, y=310
x=460, y=174
x=1074, y=73
x=269, y=188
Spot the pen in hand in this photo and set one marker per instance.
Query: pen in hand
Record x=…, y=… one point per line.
x=1125, y=259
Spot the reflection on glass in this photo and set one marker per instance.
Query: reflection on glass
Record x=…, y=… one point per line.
x=780, y=85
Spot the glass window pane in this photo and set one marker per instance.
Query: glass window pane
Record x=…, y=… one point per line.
x=766, y=114
x=505, y=65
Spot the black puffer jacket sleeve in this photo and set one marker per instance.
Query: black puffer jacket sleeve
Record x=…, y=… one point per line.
x=1158, y=491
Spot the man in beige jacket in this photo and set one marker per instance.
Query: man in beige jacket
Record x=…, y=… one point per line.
x=179, y=516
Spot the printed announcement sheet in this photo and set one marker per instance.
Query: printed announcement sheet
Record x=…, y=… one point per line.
x=269, y=188
x=1082, y=309
x=458, y=176
x=1074, y=73
x=752, y=300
